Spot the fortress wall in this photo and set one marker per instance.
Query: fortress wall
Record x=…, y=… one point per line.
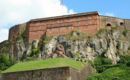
x=62, y=73
x=15, y=31
x=127, y=23
x=81, y=74
x=88, y=24
x=107, y=21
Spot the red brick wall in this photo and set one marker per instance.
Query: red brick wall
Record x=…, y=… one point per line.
x=37, y=29
x=15, y=31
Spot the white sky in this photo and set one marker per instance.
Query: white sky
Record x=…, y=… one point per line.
x=19, y=11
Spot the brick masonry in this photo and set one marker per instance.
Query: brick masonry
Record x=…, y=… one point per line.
x=88, y=23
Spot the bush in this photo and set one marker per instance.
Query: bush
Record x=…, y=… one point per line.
x=128, y=64
x=47, y=39
x=107, y=61
x=124, y=59
x=107, y=71
x=5, y=61
x=118, y=45
x=100, y=63
x=125, y=32
x=34, y=52
x=21, y=36
x=75, y=55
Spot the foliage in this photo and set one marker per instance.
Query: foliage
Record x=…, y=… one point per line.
x=119, y=71
x=48, y=63
x=75, y=55
x=124, y=59
x=125, y=32
x=115, y=73
x=21, y=36
x=34, y=52
x=129, y=48
x=118, y=45
x=46, y=39
x=80, y=35
x=100, y=63
x=101, y=30
x=5, y=46
x=5, y=61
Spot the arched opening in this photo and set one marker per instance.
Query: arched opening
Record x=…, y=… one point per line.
x=108, y=25
x=121, y=23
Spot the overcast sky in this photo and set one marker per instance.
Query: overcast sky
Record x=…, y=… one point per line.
x=14, y=12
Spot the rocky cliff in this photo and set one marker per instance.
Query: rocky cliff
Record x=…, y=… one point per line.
x=110, y=42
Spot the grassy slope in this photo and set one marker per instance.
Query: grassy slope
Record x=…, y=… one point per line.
x=115, y=73
x=49, y=63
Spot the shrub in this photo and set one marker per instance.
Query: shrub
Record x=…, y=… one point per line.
x=47, y=39
x=34, y=52
x=75, y=55
x=101, y=30
x=125, y=32
x=118, y=45
x=5, y=61
x=21, y=36
x=106, y=61
x=129, y=48
x=100, y=64
x=128, y=64
x=124, y=59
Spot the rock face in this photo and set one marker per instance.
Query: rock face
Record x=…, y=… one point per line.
x=78, y=45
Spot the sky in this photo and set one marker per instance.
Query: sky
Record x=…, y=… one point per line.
x=14, y=12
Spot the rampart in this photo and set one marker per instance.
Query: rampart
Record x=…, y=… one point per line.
x=88, y=23
x=61, y=73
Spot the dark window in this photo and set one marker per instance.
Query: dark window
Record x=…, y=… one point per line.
x=35, y=32
x=35, y=26
x=121, y=23
x=51, y=27
x=77, y=19
x=68, y=19
x=59, y=25
x=108, y=24
x=59, y=21
x=68, y=25
x=43, y=25
x=86, y=27
x=77, y=24
x=86, y=20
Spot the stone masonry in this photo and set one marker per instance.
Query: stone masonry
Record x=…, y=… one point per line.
x=61, y=73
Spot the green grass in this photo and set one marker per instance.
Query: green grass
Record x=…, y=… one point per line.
x=115, y=73
x=48, y=63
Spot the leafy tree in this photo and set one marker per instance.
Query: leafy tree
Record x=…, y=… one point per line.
x=5, y=61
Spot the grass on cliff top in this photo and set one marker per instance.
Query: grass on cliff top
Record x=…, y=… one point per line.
x=43, y=64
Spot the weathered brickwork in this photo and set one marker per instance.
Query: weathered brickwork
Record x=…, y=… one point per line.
x=62, y=73
x=88, y=23
x=15, y=31
x=85, y=22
